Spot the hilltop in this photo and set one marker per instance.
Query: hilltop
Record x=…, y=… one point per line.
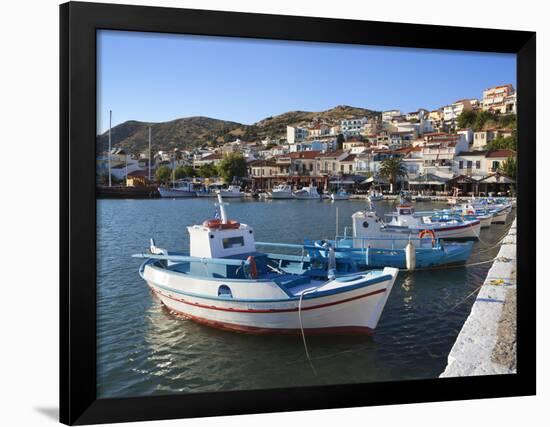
x=190, y=132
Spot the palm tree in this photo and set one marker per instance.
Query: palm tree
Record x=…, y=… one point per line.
x=393, y=168
x=509, y=167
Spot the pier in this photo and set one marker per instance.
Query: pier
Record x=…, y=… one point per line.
x=486, y=345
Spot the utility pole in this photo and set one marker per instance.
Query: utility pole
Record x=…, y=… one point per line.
x=109, y=155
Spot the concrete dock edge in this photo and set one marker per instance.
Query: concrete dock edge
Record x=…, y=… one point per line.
x=486, y=342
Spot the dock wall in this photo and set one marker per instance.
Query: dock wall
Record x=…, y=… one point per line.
x=486, y=345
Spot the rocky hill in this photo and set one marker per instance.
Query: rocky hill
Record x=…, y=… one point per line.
x=191, y=132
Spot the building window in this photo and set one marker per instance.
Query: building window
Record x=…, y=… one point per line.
x=461, y=164
x=478, y=164
x=469, y=164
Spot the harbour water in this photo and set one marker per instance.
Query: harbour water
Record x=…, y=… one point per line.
x=144, y=350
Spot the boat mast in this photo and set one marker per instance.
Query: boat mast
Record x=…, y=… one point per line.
x=221, y=204
x=109, y=154
x=149, y=154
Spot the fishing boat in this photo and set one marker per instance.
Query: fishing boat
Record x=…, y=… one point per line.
x=499, y=211
x=307, y=193
x=340, y=195
x=281, y=191
x=404, y=223
x=417, y=252
x=375, y=196
x=232, y=191
x=226, y=283
x=178, y=189
x=465, y=212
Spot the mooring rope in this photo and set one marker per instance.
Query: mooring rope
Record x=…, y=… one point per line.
x=302, y=327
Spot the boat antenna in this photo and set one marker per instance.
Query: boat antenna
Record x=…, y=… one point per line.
x=109, y=154
x=221, y=205
x=336, y=235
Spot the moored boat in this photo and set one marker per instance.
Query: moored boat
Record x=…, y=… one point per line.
x=178, y=189
x=340, y=195
x=226, y=283
x=404, y=223
x=232, y=191
x=307, y=193
x=281, y=191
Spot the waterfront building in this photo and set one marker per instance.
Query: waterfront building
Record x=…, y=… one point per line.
x=327, y=163
x=346, y=164
x=471, y=164
x=495, y=158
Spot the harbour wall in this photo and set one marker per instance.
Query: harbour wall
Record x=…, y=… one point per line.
x=486, y=344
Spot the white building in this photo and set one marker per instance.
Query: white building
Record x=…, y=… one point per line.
x=352, y=127
x=295, y=134
x=388, y=116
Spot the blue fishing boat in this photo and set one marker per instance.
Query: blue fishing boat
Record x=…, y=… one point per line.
x=417, y=253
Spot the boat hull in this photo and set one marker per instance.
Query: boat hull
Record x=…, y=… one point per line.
x=355, y=309
x=500, y=216
x=175, y=193
x=281, y=195
x=307, y=197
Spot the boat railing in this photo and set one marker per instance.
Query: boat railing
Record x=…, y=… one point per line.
x=364, y=243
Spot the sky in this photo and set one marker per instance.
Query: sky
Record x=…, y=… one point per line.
x=159, y=77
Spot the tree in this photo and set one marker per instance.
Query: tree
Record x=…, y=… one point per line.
x=466, y=119
x=504, y=143
x=163, y=174
x=184, y=172
x=509, y=167
x=393, y=168
x=208, y=170
x=232, y=165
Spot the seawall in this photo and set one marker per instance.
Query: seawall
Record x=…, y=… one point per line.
x=486, y=344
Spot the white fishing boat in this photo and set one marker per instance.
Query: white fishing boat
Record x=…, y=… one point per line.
x=178, y=189
x=282, y=191
x=226, y=283
x=233, y=191
x=403, y=223
x=307, y=193
x=340, y=195
x=375, y=196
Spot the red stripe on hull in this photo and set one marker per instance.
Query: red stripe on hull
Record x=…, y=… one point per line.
x=253, y=330
x=282, y=310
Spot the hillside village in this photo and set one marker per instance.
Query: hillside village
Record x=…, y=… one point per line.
x=468, y=145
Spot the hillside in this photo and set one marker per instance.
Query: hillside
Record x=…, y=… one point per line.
x=191, y=132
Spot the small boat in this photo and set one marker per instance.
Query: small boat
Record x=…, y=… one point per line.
x=405, y=224
x=307, y=193
x=282, y=191
x=226, y=283
x=178, y=189
x=340, y=195
x=233, y=191
x=375, y=195
x=426, y=253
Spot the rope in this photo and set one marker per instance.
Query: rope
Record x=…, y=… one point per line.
x=302, y=327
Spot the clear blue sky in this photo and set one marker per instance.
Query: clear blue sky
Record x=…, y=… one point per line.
x=159, y=77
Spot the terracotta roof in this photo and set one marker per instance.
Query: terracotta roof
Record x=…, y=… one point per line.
x=259, y=163
x=336, y=153
x=211, y=157
x=140, y=172
x=304, y=154
x=501, y=153
x=472, y=153
x=349, y=158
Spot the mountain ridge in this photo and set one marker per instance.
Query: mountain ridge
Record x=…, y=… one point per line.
x=191, y=132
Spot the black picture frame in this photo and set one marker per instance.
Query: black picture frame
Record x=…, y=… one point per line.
x=78, y=25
